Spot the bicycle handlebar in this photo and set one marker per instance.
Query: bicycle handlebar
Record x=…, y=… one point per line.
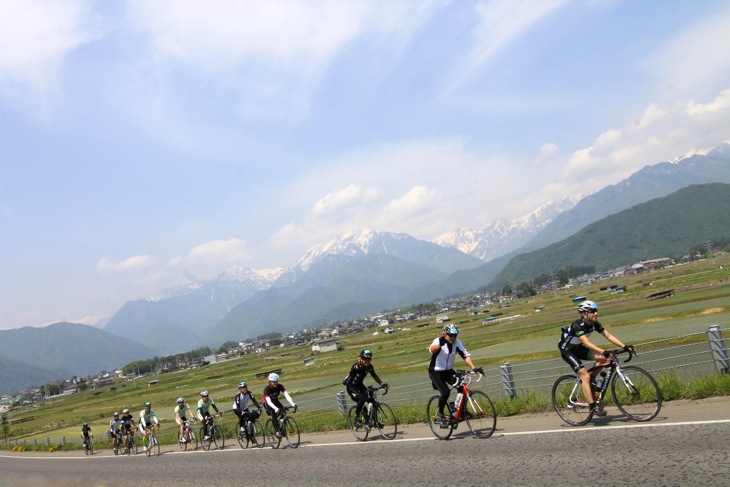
x=628, y=349
x=373, y=389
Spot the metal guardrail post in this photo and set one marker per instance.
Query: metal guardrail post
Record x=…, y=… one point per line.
x=718, y=349
x=341, y=402
x=63, y=441
x=508, y=380
x=48, y=441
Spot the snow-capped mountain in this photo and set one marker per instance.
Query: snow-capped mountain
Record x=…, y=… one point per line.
x=503, y=235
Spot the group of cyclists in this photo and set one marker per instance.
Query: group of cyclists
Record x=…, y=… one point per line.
x=574, y=345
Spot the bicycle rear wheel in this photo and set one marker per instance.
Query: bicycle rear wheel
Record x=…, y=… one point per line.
x=183, y=444
x=385, y=421
x=254, y=437
x=360, y=432
x=291, y=432
x=270, y=432
x=439, y=431
x=639, y=397
x=569, y=402
x=481, y=417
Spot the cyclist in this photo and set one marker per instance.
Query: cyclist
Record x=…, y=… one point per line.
x=146, y=417
x=240, y=405
x=127, y=425
x=441, y=366
x=115, y=426
x=204, y=404
x=182, y=412
x=354, y=381
x=575, y=346
x=271, y=399
x=86, y=433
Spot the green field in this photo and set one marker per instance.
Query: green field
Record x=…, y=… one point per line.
x=701, y=298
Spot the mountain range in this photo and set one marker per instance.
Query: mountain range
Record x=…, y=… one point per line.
x=367, y=271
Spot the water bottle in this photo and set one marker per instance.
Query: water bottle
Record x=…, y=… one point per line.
x=457, y=403
x=601, y=378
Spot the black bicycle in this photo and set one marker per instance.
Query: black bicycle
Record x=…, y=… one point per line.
x=286, y=428
x=634, y=391
x=375, y=414
x=215, y=434
x=251, y=433
x=88, y=445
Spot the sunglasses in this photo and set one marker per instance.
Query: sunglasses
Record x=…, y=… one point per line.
x=453, y=335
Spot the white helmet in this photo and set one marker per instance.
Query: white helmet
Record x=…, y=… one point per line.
x=587, y=306
x=273, y=377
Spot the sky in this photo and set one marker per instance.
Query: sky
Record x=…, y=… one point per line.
x=144, y=144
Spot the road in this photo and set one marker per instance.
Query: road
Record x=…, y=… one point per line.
x=687, y=444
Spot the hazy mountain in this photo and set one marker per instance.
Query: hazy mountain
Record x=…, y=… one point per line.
x=646, y=184
x=16, y=375
x=503, y=235
x=178, y=319
x=358, y=273
x=68, y=349
x=662, y=227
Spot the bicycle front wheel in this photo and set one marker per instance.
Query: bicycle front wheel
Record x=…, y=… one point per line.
x=385, y=421
x=217, y=437
x=270, y=432
x=481, y=417
x=359, y=431
x=569, y=402
x=637, y=396
x=291, y=432
x=442, y=432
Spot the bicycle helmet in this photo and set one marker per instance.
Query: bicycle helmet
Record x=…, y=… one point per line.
x=367, y=353
x=148, y=404
x=587, y=306
x=86, y=424
x=273, y=377
x=451, y=329
x=116, y=413
x=126, y=411
x=204, y=393
x=180, y=400
x=242, y=384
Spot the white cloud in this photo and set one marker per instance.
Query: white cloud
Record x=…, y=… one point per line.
x=418, y=200
x=135, y=263
x=35, y=37
x=348, y=199
x=216, y=255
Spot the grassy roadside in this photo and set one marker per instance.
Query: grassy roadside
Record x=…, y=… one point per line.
x=702, y=291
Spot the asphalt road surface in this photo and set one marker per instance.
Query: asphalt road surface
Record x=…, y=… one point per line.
x=687, y=444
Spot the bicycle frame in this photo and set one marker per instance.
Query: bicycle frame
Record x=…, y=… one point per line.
x=464, y=380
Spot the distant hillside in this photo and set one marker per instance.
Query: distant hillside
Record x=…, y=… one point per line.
x=16, y=375
x=69, y=349
x=663, y=227
x=336, y=287
x=646, y=184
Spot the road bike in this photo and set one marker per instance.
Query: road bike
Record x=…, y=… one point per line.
x=251, y=433
x=130, y=443
x=375, y=414
x=215, y=434
x=88, y=445
x=287, y=429
x=474, y=407
x=150, y=443
x=634, y=391
x=116, y=441
x=187, y=438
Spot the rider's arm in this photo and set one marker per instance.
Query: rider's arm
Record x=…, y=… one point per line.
x=470, y=362
x=271, y=404
x=613, y=339
x=288, y=398
x=436, y=346
x=587, y=343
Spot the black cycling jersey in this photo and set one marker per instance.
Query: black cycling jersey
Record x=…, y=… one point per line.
x=358, y=372
x=570, y=338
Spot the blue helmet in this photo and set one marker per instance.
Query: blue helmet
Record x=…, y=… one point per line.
x=242, y=384
x=451, y=329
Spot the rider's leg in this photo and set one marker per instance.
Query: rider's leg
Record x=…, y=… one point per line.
x=442, y=387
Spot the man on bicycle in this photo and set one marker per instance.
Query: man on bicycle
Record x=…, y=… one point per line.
x=355, y=382
x=204, y=404
x=441, y=366
x=127, y=425
x=271, y=399
x=115, y=426
x=86, y=433
x=240, y=405
x=146, y=417
x=182, y=412
x=575, y=346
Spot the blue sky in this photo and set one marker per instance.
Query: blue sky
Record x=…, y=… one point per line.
x=144, y=143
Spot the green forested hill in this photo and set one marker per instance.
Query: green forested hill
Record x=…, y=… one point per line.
x=663, y=227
